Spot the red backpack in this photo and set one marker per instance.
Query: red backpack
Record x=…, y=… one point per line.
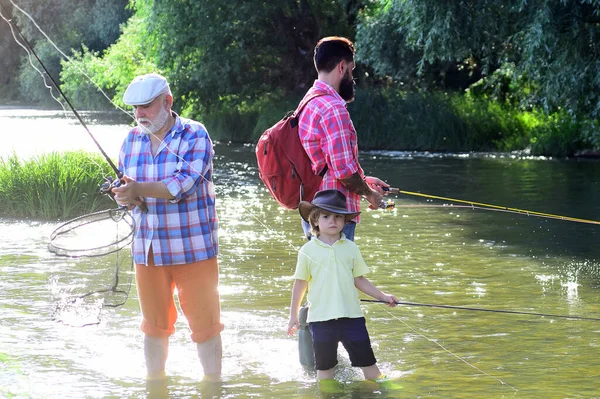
x=283, y=164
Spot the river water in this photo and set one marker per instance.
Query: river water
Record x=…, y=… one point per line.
x=421, y=251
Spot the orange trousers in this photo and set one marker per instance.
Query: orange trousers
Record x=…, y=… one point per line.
x=197, y=290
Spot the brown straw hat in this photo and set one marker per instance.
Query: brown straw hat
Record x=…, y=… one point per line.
x=333, y=201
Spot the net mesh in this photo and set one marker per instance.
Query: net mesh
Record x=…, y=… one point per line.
x=99, y=271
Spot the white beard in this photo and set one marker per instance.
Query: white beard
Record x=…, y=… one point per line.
x=155, y=125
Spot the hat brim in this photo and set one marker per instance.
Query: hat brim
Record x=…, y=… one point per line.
x=304, y=207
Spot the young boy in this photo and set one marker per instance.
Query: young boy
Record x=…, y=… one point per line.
x=332, y=269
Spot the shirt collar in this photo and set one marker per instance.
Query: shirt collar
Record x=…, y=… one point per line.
x=321, y=243
x=178, y=126
x=322, y=86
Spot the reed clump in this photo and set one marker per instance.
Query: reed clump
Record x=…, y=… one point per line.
x=53, y=185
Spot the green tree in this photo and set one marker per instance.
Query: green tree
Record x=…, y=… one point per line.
x=536, y=53
x=235, y=52
x=70, y=25
x=112, y=70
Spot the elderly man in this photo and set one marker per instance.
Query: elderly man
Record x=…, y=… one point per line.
x=167, y=165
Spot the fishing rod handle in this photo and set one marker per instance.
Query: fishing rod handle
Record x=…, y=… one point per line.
x=391, y=190
x=143, y=207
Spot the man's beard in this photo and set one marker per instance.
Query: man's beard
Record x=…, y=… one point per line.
x=154, y=126
x=347, y=88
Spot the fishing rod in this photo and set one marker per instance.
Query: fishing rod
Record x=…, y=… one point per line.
x=109, y=182
x=486, y=310
x=480, y=205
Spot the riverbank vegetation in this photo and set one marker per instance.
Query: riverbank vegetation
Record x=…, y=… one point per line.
x=440, y=76
x=53, y=186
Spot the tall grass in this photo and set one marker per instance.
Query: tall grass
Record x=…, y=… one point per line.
x=52, y=186
x=414, y=121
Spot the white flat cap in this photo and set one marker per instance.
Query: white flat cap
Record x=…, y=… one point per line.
x=145, y=88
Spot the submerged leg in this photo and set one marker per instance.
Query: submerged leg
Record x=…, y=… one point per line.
x=156, y=350
x=210, y=354
x=371, y=372
x=325, y=374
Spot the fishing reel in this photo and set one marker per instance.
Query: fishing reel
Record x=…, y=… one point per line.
x=387, y=205
x=108, y=185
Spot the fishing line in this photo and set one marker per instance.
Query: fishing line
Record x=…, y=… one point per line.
x=448, y=351
x=487, y=310
x=480, y=205
x=12, y=27
x=69, y=59
x=85, y=309
x=472, y=204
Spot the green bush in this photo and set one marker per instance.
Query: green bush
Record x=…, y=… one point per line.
x=395, y=120
x=53, y=186
x=231, y=125
x=559, y=136
x=415, y=121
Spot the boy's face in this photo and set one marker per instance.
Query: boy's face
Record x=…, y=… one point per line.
x=331, y=224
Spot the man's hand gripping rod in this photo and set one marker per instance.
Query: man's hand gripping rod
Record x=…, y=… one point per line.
x=110, y=183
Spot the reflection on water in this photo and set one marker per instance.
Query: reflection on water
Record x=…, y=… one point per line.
x=27, y=132
x=420, y=251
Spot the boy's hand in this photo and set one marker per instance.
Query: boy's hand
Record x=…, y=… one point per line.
x=390, y=300
x=293, y=325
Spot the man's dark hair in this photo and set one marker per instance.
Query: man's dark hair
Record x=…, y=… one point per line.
x=332, y=50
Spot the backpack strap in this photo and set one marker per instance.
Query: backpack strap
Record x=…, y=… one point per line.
x=306, y=101
x=296, y=114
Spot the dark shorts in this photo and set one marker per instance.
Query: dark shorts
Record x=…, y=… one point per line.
x=352, y=333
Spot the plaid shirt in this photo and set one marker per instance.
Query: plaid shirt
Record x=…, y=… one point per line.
x=328, y=136
x=183, y=230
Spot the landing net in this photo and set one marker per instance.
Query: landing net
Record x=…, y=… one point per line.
x=100, y=270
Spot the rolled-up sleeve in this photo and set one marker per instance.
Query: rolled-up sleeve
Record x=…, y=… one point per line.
x=194, y=163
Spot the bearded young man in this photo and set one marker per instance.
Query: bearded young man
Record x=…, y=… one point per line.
x=167, y=165
x=328, y=135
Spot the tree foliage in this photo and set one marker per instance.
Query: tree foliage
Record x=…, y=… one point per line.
x=112, y=70
x=70, y=24
x=541, y=52
x=240, y=61
x=10, y=59
x=237, y=52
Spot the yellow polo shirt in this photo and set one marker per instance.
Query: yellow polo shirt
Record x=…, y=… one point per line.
x=330, y=271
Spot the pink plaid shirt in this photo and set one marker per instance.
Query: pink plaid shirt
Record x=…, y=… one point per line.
x=328, y=136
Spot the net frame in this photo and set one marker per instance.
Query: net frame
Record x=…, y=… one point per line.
x=116, y=215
